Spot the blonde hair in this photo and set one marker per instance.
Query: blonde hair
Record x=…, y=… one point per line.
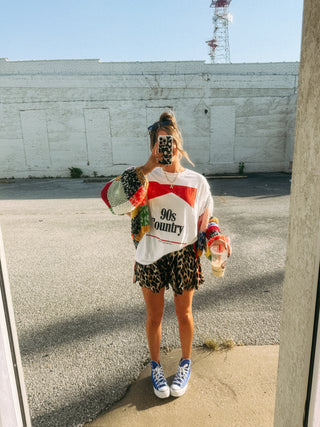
x=168, y=123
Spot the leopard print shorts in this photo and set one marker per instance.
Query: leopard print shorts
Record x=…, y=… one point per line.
x=180, y=269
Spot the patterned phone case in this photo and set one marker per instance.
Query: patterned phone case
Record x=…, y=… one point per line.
x=165, y=147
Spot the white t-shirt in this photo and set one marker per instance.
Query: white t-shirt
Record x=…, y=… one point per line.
x=175, y=201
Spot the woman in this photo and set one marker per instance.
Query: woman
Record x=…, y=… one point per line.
x=170, y=210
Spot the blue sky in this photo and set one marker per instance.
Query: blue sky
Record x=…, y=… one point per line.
x=146, y=30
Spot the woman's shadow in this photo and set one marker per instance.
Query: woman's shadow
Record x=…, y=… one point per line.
x=140, y=394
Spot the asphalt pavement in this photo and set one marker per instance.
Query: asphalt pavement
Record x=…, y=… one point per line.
x=80, y=319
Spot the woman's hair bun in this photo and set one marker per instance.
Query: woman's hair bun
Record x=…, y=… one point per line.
x=168, y=116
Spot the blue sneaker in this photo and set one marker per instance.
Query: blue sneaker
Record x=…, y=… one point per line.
x=160, y=385
x=180, y=382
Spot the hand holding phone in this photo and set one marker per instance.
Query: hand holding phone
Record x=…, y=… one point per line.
x=165, y=147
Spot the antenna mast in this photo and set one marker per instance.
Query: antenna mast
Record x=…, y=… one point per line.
x=219, y=44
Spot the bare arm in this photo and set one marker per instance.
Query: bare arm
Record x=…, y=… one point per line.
x=153, y=161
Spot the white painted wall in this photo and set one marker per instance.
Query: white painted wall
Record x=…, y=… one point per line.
x=94, y=115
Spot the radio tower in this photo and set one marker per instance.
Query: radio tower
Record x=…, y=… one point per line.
x=219, y=45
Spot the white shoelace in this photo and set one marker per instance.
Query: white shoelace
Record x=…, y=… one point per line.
x=180, y=375
x=159, y=377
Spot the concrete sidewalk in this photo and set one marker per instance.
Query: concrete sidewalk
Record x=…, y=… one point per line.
x=230, y=388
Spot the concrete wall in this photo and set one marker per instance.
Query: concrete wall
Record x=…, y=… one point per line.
x=93, y=115
x=303, y=254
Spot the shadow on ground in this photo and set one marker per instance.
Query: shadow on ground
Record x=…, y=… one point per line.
x=255, y=185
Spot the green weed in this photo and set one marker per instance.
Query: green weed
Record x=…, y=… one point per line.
x=214, y=345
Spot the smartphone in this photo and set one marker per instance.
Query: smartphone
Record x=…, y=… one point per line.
x=165, y=147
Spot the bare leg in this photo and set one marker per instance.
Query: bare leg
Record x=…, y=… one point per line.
x=154, y=306
x=183, y=306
